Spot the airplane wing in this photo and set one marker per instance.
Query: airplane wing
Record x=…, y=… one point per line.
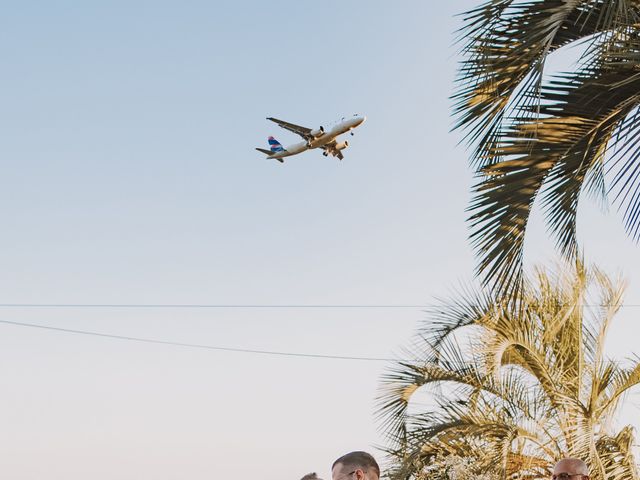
x=304, y=132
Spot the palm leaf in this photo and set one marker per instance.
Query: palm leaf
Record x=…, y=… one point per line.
x=548, y=139
x=531, y=384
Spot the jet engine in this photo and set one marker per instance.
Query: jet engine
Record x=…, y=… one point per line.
x=317, y=132
x=341, y=146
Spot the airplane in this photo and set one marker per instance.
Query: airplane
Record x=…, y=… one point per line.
x=313, y=138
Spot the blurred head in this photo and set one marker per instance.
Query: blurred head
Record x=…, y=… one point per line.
x=311, y=476
x=570, y=469
x=355, y=466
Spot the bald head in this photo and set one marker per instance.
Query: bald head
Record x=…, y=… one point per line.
x=570, y=467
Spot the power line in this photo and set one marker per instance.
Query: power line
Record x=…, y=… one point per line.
x=239, y=306
x=195, y=345
x=197, y=305
x=202, y=346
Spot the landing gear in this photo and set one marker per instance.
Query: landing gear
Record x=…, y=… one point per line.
x=326, y=154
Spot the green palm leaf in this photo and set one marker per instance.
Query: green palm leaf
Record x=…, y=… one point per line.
x=551, y=138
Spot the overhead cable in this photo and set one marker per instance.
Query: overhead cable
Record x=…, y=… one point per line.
x=196, y=345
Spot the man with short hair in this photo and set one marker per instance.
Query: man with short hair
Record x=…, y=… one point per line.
x=311, y=476
x=356, y=466
x=570, y=469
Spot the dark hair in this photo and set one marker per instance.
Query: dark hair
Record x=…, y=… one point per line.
x=362, y=460
x=310, y=476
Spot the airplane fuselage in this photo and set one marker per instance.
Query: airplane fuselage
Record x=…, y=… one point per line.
x=342, y=127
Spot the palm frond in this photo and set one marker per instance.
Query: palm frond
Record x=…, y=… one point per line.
x=547, y=138
x=529, y=385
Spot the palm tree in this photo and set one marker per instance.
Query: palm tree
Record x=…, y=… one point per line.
x=550, y=136
x=511, y=388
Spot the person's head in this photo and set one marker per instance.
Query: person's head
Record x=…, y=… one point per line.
x=570, y=469
x=311, y=476
x=355, y=466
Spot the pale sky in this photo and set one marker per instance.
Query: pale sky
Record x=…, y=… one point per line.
x=129, y=176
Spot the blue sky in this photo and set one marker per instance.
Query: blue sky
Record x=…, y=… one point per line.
x=130, y=176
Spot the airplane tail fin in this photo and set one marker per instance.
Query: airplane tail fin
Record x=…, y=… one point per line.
x=276, y=146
